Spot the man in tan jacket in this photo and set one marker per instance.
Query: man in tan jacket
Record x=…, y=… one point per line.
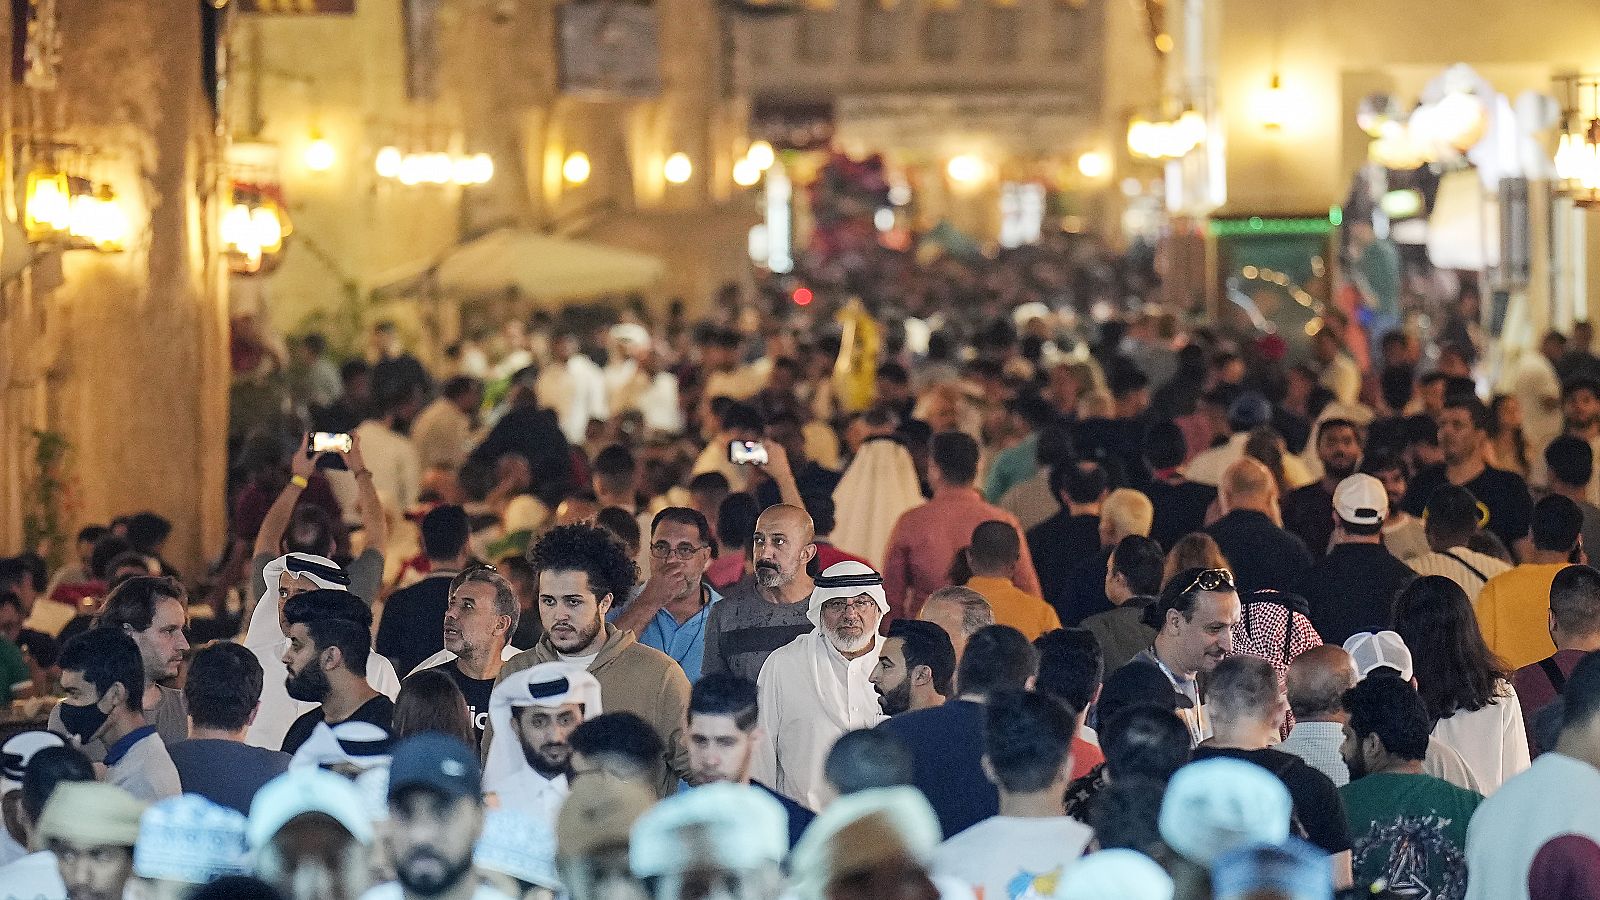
x=582, y=573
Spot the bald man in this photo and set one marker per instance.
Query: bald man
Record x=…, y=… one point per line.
x=1250, y=535
x=758, y=615
x=1317, y=679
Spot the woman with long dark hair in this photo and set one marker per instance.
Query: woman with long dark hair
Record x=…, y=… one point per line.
x=430, y=701
x=1465, y=688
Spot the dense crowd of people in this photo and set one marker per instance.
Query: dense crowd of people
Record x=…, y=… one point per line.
x=1003, y=603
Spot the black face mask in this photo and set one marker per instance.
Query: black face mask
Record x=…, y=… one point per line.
x=83, y=722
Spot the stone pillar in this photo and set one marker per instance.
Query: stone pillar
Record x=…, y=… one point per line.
x=132, y=347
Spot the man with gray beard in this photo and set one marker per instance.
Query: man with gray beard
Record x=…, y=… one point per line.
x=762, y=613
x=819, y=686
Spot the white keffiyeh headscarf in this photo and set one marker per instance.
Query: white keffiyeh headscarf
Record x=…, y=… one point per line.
x=880, y=484
x=550, y=684
x=265, y=639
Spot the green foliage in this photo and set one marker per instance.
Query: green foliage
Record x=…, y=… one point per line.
x=43, y=525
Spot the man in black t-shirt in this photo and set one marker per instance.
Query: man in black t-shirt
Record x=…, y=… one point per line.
x=480, y=617
x=330, y=635
x=1463, y=431
x=1247, y=710
x=409, y=632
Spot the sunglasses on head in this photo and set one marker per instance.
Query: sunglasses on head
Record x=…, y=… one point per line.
x=1210, y=580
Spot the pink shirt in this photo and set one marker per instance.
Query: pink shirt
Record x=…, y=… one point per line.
x=924, y=543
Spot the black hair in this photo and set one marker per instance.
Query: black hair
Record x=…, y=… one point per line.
x=741, y=417
x=1180, y=594
x=726, y=694
x=1453, y=514
x=1055, y=446
x=1580, y=383
x=1164, y=445
x=146, y=531
x=1085, y=481
x=1127, y=813
x=868, y=758
x=736, y=519
x=47, y=768
x=683, y=515
x=620, y=735
x=1145, y=739
x=614, y=462
x=223, y=687
x=621, y=523
x=105, y=657
x=133, y=603
x=335, y=619
x=1071, y=666
x=1570, y=460
x=1391, y=709
x=445, y=532
x=1475, y=408
x=891, y=371
x=591, y=550
x=819, y=504
x=926, y=644
x=106, y=549
x=10, y=598
x=314, y=341
x=1327, y=425
x=1456, y=671
x=1580, y=698
x=1557, y=522
x=956, y=455
x=1575, y=600
x=1139, y=560
x=1026, y=738
x=995, y=544
x=459, y=386
x=92, y=533
x=1032, y=409
x=710, y=483
x=997, y=658
x=354, y=368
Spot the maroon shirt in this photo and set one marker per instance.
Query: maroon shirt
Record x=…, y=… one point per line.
x=1535, y=692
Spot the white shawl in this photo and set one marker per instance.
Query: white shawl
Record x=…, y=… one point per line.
x=265, y=639
x=550, y=684
x=880, y=484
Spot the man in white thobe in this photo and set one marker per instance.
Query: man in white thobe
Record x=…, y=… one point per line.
x=533, y=712
x=575, y=388
x=816, y=687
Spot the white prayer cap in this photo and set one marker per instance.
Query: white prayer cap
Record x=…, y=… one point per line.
x=847, y=579
x=549, y=684
x=307, y=790
x=1214, y=805
x=859, y=831
x=1121, y=873
x=630, y=333
x=18, y=751
x=360, y=744
x=734, y=827
x=517, y=844
x=1370, y=651
x=188, y=838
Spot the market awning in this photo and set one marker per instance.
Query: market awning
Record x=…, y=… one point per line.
x=531, y=264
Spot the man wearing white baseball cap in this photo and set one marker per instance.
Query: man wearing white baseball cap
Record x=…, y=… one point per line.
x=816, y=687
x=1352, y=588
x=532, y=714
x=732, y=835
x=1384, y=650
x=311, y=834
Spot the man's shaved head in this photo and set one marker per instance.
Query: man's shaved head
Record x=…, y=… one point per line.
x=1317, y=679
x=791, y=521
x=782, y=547
x=1248, y=477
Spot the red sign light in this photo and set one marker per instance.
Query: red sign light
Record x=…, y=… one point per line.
x=803, y=297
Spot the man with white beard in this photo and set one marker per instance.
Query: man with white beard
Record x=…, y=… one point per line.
x=818, y=687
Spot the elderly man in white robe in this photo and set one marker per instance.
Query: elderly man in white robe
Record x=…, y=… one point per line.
x=267, y=638
x=533, y=713
x=816, y=687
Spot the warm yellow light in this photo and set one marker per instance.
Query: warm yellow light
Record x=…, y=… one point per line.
x=320, y=155
x=1142, y=138
x=99, y=220
x=1190, y=129
x=237, y=230
x=388, y=162
x=462, y=171
x=1094, y=164
x=576, y=169
x=964, y=169
x=1164, y=42
x=762, y=154
x=677, y=168
x=1567, y=157
x=1272, y=107
x=746, y=173
x=482, y=168
x=49, y=201
x=266, y=229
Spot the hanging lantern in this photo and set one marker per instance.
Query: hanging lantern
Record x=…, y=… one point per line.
x=49, y=204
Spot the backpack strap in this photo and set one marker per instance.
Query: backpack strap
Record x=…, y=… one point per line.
x=1469, y=566
x=1558, y=680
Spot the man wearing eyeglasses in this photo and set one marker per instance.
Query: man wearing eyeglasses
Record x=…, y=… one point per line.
x=669, y=613
x=819, y=686
x=1194, y=619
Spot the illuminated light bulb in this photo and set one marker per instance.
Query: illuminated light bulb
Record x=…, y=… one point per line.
x=964, y=169
x=746, y=172
x=1141, y=136
x=1272, y=107
x=576, y=169
x=388, y=162
x=111, y=222
x=482, y=168
x=439, y=168
x=266, y=229
x=762, y=154
x=677, y=168
x=1191, y=126
x=49, y=203
x=1094, y=164
x=462, y=171
x=236, y=226
x=320, y=155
